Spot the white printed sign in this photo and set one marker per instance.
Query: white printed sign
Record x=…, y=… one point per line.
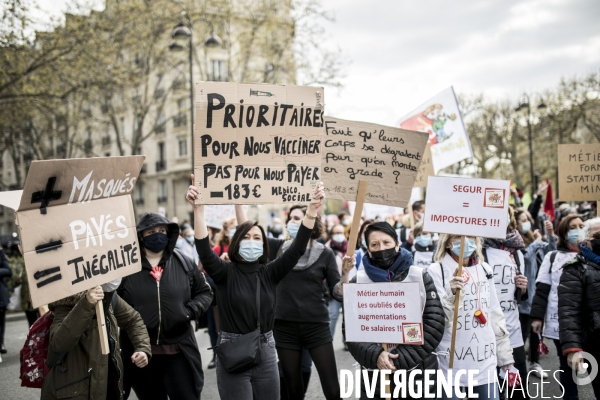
x=464, y=206
x=383, y=313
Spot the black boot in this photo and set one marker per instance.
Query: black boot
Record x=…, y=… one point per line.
x=212, y=364
x=3, y=349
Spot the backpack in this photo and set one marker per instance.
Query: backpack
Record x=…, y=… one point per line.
x=187, y=264
x=34, y=366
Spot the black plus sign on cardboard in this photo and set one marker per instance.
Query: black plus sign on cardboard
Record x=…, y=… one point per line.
x=47, y=195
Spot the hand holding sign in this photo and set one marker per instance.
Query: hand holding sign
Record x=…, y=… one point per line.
x=193, y=194
x=94, y=295
x=456, y=282
x=348, y=263
x=318, y=199
x=386, y=361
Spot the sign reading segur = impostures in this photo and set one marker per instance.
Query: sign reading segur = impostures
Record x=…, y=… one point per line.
x=257, y=143
x=76, y=224
x=389, y=158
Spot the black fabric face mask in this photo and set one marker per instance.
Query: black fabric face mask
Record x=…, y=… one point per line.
x=595, y=243
x=384, y=258
x=156, y=242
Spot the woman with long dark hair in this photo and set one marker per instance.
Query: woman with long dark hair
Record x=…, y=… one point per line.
x=237, y=292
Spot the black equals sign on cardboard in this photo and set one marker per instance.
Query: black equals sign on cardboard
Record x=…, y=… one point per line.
x=46, y=272
x=466, y=205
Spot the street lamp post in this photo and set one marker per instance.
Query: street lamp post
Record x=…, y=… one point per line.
x=181, y=33
x=525, y=107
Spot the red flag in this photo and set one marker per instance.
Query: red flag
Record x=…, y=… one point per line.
x=549, y=204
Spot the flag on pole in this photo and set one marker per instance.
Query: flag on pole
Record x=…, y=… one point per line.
x=440, y=117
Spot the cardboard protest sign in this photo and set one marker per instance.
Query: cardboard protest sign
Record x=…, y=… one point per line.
x=426, y=168
x=440, y=117
x=215, y=215
x=383, y=313
x=76, y=224
x=579, y=172
x=463, y=206
x=257, y=143
x=389, y=158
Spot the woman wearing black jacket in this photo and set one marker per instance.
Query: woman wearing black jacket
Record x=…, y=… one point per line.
x=236, y=283
x=169, y=292
x=385, y=261
x=301, y=312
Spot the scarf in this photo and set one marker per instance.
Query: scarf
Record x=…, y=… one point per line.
x=310, y=256
x=589, y=254
x=403, y=262
x=339, y=247
x=513, y=242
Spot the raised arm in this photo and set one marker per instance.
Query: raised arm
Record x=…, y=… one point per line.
x=281, y=266
x=216, y=268
x=240, y=214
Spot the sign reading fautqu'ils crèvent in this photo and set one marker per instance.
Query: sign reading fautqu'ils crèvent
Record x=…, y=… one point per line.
x=257, y=143
x=389, y=158
x=76, y=224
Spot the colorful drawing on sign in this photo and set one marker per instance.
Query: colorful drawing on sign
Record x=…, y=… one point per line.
x=494, y=198
x=412, y=333
x=440, y=118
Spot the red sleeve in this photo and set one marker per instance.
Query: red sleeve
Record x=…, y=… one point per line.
x=217, y=249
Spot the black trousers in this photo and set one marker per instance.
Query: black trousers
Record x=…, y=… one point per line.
x=533, y=337
x=165, y=375
x=2, y=324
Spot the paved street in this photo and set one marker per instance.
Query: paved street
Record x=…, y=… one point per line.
x=17, y=330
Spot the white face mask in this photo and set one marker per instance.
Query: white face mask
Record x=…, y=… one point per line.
x=111, y=286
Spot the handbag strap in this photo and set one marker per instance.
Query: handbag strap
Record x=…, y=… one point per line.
x=258, y=302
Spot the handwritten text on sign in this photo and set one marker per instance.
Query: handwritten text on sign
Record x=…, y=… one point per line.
x=383, y=313
x=257, y=143
x=387, y=157
x=463, y=206
x=579, y=172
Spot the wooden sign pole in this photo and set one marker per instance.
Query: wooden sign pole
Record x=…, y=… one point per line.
x=360, y=201
x=102, y=327
x=456, y=302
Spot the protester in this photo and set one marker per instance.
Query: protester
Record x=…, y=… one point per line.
x=483, y=316
x=339, y=244
x=386, y=261
x=544, y=308
x=169, y=292
x=506, y=259
x=224, y=237
x=301, y=313
x=535, y=250
x=275, y=230
x=5, y=275
x=423, y=247
x=579, y=303
x=188, y=247
x=81, y=371
x=237, y=292
x=361, y=247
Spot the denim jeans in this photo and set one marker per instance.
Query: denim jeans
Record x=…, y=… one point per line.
x=334, y=314
x=260, y=382
x=488, y=391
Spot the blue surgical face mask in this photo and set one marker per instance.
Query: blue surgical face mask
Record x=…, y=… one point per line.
x=363, y=243
x=190, y=238
x=251, y=250
x=292, y=229
x=339, y=238
x=423, y=240
x=470, y=247
x=525, y=227
x=231, y=233
x=575, y=236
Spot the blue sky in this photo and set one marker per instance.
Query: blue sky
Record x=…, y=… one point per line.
x=403, y=52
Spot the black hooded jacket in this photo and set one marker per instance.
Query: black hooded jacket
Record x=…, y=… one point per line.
x=168, y=309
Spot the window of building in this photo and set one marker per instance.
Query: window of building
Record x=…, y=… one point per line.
x=182, y=147
x=162, y=191
x=217, y=71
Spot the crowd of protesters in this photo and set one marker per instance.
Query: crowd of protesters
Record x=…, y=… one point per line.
x=271, y=297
